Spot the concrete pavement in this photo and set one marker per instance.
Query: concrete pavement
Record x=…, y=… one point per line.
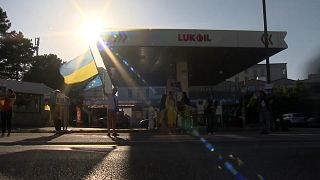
x=96, y=136
x=159, y=155
x=159, y=130
x=162, y=161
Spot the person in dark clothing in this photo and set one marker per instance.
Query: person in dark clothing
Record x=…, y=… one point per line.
x=113, y=110
x=6, y=111
x=210, y=112
x=185, y=111
x=163, y=113
x=163, y=102
x=185, y=100
x=264, y=113
x=56, y=111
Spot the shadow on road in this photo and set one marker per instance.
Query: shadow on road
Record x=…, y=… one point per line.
x=192, y=160
x=51, y=164
x=118, y=140
x=40, y=139
x=171, y=159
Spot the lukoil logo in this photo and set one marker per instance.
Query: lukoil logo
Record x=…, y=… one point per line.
x=194, y=37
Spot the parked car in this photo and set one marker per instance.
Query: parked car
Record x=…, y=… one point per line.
x=122, y=122
x=313, y=121
x=295, y=118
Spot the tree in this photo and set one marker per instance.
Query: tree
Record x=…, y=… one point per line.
x=45, y=69
x=16, y=56
x=15, y=51
x=4, y=23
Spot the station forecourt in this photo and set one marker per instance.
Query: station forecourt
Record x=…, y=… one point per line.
x=180, y=59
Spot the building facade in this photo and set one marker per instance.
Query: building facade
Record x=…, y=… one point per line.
x=259, y=72
x=29, y=105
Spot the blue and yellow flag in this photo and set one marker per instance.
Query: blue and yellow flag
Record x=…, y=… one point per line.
x=96, y=82
x=79, y=69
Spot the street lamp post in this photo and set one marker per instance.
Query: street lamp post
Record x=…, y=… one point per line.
x=266, y=42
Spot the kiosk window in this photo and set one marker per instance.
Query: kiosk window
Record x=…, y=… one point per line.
x=27, y=103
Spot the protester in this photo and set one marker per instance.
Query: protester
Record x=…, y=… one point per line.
x=252, y=106
x=264, y=113
x=113, y=109
x=56, y=111
x=209, y=114
x=200, y=112
x=171, y=110
x=185, y=110
x=163, y=114
x=6, y=111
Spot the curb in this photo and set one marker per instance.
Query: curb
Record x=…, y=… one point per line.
x=130, y=142
x=83, y=131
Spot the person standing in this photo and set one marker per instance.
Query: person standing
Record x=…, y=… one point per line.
x=163, y=112
x=264, y=113
x=56, y=112
x=185, y=111
x=171, y=110
x=209, y=116
x=113, y=109
x=200, y=112
x=6, y=111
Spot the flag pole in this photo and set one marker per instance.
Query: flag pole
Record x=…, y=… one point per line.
x=102, y=79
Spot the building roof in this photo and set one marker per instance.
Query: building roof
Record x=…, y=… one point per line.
x=26, y=87
x=271, y=64
x=148, y=56
x=312, y=78
x=283, y=82
x=193, y=38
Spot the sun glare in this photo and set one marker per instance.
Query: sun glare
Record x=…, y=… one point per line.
x=91, y=30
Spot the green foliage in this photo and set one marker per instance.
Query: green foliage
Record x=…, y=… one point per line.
x=17, y=60
x=15, y=51
x=16, y=56
x=4, y=22
x=291, y=99
x=45, y=69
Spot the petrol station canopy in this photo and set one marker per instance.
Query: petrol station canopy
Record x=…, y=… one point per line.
x=143, y=57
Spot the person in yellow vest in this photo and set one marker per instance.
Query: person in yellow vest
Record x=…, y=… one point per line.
x=163, y=112
x=171, y=110
x=6, y=111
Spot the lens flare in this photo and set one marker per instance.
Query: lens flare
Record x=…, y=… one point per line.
x=91, y=30
x=239, y=162
x=260, y=177
x=231, y=156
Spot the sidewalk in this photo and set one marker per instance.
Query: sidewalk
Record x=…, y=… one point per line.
x=163, y=131
x=97, y=136
x=54, y=139
x=70, y=130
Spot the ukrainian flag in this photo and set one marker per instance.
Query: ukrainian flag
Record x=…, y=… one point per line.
x=79, y=69
x=96, y=82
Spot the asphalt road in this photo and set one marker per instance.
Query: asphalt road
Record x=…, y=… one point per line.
x=252, y=159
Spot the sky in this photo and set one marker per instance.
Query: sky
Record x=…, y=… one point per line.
x=57, y=22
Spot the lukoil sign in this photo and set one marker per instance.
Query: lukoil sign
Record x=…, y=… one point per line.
x=194, y=37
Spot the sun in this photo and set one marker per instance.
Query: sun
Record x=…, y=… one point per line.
x=91, y=30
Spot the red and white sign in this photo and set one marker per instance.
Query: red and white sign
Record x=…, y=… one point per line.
x=194, y=37
x=269, y=39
